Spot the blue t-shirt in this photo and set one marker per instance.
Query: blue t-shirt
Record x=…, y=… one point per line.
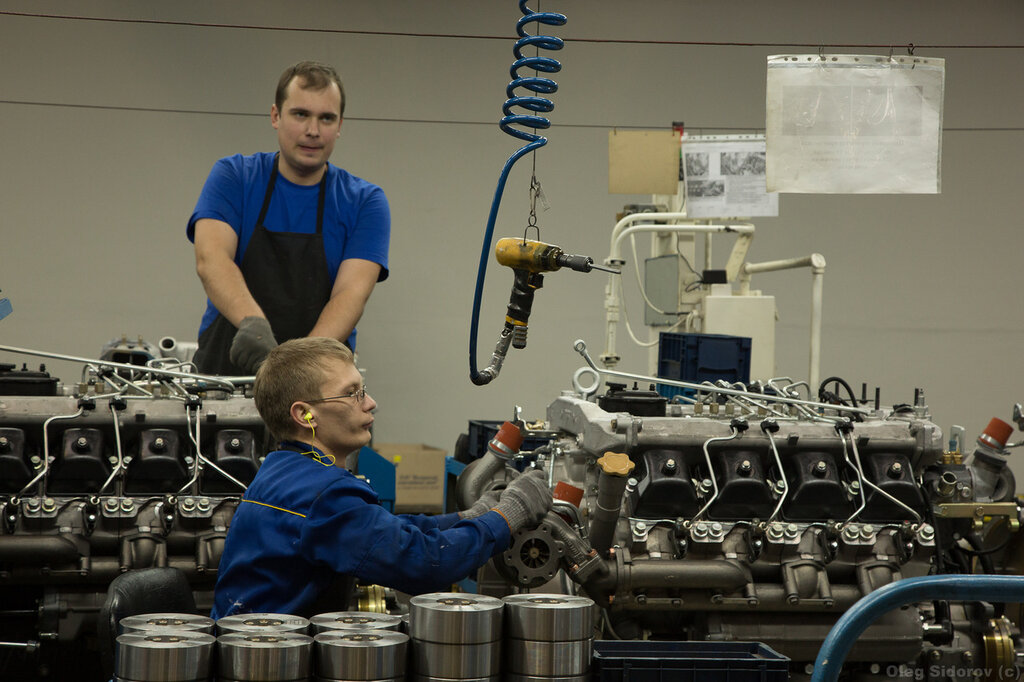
x=357, y=220
x=301, y=524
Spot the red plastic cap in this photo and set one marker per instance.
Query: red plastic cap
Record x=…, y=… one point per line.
x=568, y=493
x=508, y=440
x=996, y=434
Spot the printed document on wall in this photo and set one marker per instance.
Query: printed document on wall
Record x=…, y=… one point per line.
x=854, y=124
x=725, y=177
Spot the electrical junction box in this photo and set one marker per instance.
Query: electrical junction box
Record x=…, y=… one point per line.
x=665, y=283
x=419, y=476
x=752, y=316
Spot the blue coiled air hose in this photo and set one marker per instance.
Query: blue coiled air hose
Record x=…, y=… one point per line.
x=532, y=103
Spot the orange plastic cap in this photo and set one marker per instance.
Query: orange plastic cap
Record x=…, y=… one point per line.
x=616, y=463
x=508, y=440
x=996, y=434
x=568, y=493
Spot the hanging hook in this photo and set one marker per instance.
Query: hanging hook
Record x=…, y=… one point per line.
x=910, y=49
x=891, y=51
x=821, y=52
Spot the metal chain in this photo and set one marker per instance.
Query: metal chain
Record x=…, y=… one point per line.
x=534, y=191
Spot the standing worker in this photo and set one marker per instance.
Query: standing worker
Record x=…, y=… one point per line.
x=306, y=528
x=287, y=245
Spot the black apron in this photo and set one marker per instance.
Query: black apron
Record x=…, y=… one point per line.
x=286, y=273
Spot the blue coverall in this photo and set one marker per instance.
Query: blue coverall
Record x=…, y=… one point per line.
x=302, y=525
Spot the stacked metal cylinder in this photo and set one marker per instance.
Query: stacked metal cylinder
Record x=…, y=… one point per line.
x=548, y=637
x=164, y=647
x=264, y=647
x=455, y=636
x=357, y=646
x=354, y=620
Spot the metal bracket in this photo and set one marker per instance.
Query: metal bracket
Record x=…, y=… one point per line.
x=978, y=511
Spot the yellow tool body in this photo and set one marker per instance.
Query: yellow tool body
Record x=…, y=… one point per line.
x=526, y=254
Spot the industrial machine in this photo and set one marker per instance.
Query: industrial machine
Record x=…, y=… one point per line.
x=139, y=464
x=755, y=513
x=759, y=513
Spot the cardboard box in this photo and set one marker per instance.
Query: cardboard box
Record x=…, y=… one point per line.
x=419, y=476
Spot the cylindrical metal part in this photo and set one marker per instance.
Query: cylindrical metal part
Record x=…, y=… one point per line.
x=432, y=678
x=455, y=618
x=456, y=661
x=165, y=623
x=354, y=620
x=178, y=657
x=365, y=655
x=500, y=449
x=38, y=549
x=532, y=657
x=695, y=574
x=576, y=548
x=615, y=467
x=262, y=624
x=280, y=657
x=548, y=617
x=318, y=678
x=517, y=677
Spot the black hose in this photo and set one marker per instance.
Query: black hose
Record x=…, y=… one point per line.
x=984, y=556
x=823, y=394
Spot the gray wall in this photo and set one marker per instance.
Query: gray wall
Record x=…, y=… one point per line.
x=109, y=130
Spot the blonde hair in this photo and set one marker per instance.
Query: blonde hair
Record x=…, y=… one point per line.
x=293, y=371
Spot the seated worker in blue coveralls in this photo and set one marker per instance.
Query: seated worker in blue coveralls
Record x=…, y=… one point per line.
x=306, y=528
x=287, y=244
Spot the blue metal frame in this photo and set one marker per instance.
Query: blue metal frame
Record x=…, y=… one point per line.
x=993, y=588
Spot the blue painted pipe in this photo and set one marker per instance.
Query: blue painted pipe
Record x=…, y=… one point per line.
x=993, y=588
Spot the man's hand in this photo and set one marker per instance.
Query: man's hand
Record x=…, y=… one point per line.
x=482, y=506
x=526, y=500
x=253, y=340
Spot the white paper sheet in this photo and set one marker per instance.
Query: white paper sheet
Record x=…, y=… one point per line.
x=854, y=124
x=725, y=177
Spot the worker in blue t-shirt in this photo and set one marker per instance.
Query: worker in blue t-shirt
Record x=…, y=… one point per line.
x=306, y=528
x=287, y=245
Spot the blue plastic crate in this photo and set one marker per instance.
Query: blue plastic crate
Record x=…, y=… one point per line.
x=701, y=357
x=647, y=661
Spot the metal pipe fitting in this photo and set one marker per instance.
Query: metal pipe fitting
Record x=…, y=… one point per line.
x=615, y=468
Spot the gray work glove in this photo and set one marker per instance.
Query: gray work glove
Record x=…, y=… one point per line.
x=525, y=501
x=482, y=506
x=253, y=340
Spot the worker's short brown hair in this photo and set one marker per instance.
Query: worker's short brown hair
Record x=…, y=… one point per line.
x=291, y=372
x=314, y=76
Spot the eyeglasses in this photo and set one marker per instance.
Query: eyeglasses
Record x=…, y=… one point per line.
x=359, y=395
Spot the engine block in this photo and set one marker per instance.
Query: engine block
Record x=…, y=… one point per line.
x=757, y=521
x=96, y=482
